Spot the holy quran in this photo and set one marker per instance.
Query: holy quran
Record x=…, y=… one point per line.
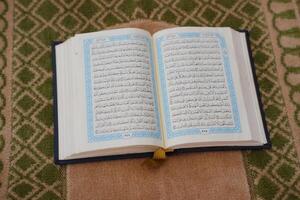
x=125, y=92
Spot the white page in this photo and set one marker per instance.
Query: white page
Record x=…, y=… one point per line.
x=63, y=94
x=115, y=92
x=248, y=87
x=200, y=86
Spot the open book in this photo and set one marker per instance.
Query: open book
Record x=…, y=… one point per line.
x=124, y=92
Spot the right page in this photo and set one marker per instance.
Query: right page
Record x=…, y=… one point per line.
x=204, y=80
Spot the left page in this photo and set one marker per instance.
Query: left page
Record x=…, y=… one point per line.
x=114, y=93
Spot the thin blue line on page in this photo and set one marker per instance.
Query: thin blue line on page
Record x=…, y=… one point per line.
x=196, y=131
x=92, y=136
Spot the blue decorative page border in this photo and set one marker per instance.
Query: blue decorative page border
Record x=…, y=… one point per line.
x=92, y=136
x=196, y=131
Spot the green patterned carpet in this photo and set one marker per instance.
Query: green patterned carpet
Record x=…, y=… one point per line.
x=273, y=174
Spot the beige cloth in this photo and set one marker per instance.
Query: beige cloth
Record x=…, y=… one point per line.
x=213, y=175
x=6, y=46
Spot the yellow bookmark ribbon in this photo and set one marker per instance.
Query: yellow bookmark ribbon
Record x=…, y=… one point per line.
x=159, y=157
x=160, y=154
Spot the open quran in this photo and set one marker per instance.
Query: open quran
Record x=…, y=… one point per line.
x=125, y=93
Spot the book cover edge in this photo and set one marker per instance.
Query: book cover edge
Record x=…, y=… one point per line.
x=55, y=105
